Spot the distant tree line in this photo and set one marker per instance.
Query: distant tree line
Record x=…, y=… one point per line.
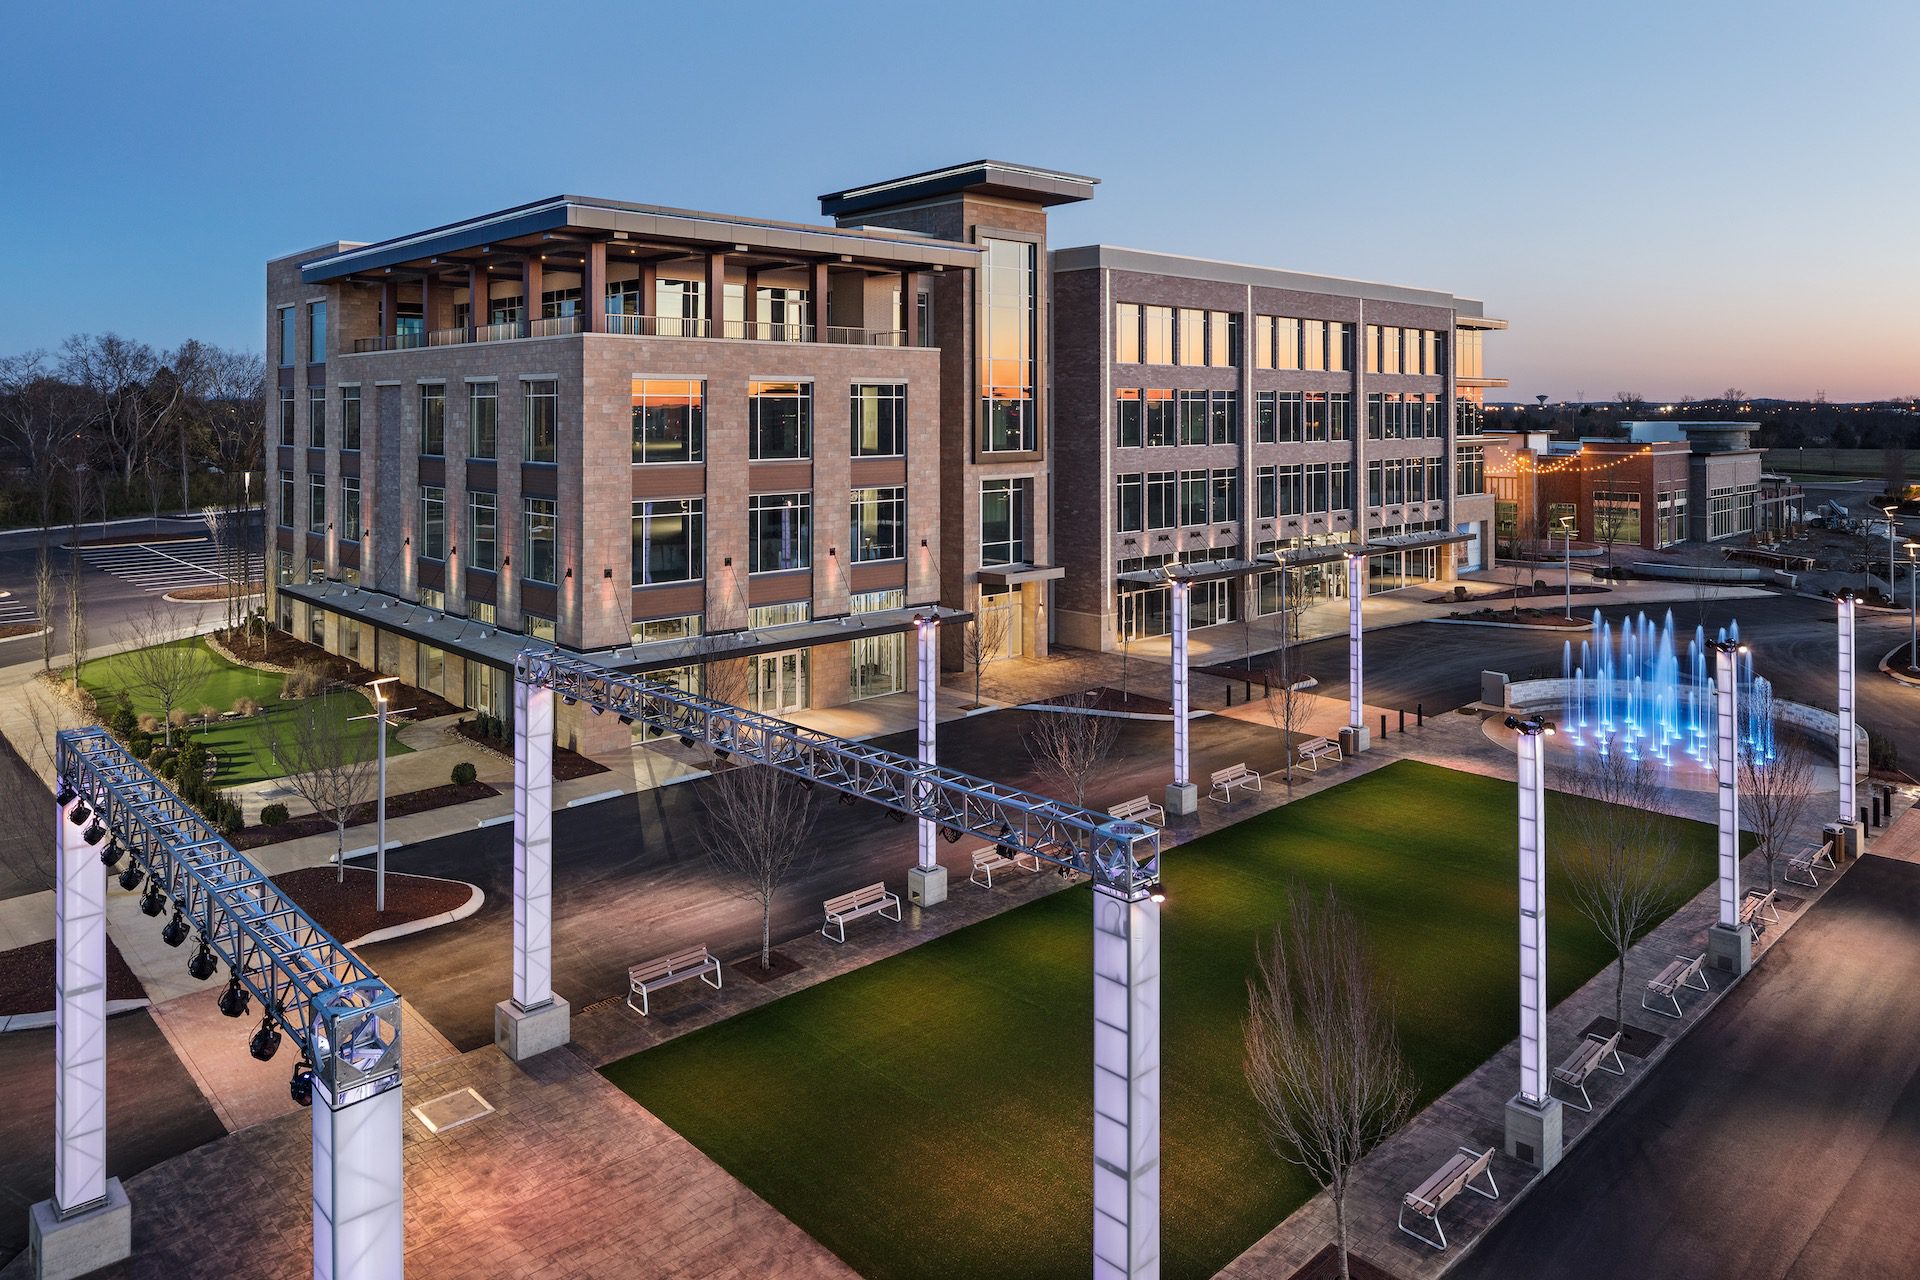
x=1783, y=424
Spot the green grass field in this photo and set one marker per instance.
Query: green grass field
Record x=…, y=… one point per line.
x=931, y=1114
x=241, y=745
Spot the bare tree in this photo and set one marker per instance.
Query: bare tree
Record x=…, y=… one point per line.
x=759, y=825
x=76, y=623
x=43, y=580
x=724, y=679
x=164, y=666
x=982, y=641
x=1072, y=744
x=1774, y=795
x=1893, y=467
x=1630, y=402
x=326, y=762
x=1289, y=705
x=1618, y=855
x=1322, y=1057
x=1609, y=521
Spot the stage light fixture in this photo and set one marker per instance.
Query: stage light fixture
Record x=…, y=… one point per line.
x=233, y=1001
x=686, y=742
x=897, y=815
x=203, y=964
x=94, y=833
x=130, y=878
x=79, y=813
x=154, y=900
x=300, y=1088
x=111, y=855
x=65, y=796
x=266, y=1039
x=950, y=834
x=175, y=931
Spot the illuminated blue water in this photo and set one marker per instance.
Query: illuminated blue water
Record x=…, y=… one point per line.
x=1634, y=691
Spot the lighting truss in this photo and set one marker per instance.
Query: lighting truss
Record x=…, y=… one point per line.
x=1120, y=856
x=278, y=952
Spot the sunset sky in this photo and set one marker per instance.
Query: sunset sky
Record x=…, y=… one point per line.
x=1666, y=198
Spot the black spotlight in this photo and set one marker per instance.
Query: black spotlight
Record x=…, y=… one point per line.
x=626, y=719
x=130, y=878
x=266, y=1039
x=301, y=1086
x=599, y=710
x=846, y=797
x=79, y=813
x=65, y=796
x=154, y=900
x=950, y=834
x=94, y=834
x=111, y=855
x=233, y=1001
x=721, y=754
x=897, y=815
x=175, y=931
x=686, y=742
x=203, y=964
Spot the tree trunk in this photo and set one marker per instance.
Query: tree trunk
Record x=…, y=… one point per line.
x=1340, y=1229
x=766, y=932
x=340, y=850
x=1620, y=992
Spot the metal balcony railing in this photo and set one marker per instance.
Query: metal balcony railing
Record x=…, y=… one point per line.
x=638, y=326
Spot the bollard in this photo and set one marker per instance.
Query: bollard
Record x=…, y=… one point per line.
x=1419, y=715
x=1246, y=692
x=1229, y=695
x=1383, y=724
x=1403, y=719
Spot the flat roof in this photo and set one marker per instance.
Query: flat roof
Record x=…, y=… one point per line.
x=1112, y=257
x=1044, y=187
x=594, y=216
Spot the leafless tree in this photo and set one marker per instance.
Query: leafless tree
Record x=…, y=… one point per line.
x=1630, y=402
x=982, y=641
x=1288, y=705
x=724, y=679
x=43, y=580
x=1609, y=521
x=1322, y=1057
x=1893, y=465
x=1617, y=854
x=76, y=611
x=1774, y=795
x=327, y=763
x=165, y=666
x=1734, y=395
x=759, y=826
x=120, y=373
x=1071, y=745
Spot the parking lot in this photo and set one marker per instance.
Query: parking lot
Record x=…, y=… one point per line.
x=160, y=567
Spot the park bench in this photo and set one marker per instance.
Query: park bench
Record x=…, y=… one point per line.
x=1591, y=1056
x=694, y=962
x=1315, y=750
x=1140, y=809
x=873, y=899
x=1808, y=862
x=988, y=861
x=1448, y=1181
x=1680, y=972
x=1756, y=911
x=1234, y=775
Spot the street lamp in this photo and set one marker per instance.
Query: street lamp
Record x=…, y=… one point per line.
x=1913, y=605
x=383, y=707
x=1566, y=531
x=1891, y=512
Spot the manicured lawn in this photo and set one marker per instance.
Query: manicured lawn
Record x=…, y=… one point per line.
x=241, y=745
x=931, y=1114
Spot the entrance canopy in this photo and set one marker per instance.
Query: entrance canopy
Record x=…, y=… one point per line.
x=1293, y=558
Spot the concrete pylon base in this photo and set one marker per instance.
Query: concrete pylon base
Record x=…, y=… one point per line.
x=1354, y=739
x=525, y=1033
x=1533, y=1132
x=85, y=1242
x=927, y=886
x=1730, y=949
x=1849, y=840
x=1182, y=798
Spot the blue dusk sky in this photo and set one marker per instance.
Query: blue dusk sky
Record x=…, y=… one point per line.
x=1661, y=197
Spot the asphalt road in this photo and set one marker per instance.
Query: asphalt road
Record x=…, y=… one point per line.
x=1780, y=1140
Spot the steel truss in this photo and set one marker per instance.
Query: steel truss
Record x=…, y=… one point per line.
x=1123, y=857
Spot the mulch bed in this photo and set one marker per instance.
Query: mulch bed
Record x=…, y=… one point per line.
x=26, y=978
x=283, y=650
x=1325, y=1265
x=13, y=629
x=1522, y=593
x=345, y=909
x=397, y=807
x=217, y=592
x=1637, y=1042
x=1105, y=699
x=566, y=764
x=782, y=965
x=1532, y=617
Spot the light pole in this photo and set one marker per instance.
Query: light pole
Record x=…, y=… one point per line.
x=1566, y=531
x=383, y=707
x=1533, y=1114
x=1728, y=943
x=1891, y=512
x=1913, y=606
x=1182, y=796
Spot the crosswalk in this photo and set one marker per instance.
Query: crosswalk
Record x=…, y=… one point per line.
x=16, y=609
x=162, y=566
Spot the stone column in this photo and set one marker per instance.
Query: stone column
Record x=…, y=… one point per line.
x=478, y=301
x=716, y=293
x=1126, y=1085
x=593, y=288
x=532, y=284
x=817, y=287
x=1182, y=795
x=1533, y=1115
x=535, y=1020
x=927, y=882
x=389, y=307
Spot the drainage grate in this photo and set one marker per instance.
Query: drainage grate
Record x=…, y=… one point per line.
x=450, y=1111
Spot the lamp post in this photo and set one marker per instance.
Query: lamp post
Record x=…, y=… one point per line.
x=1849, y=834
x=1533, y=1130
x=1354, y=738
x=383, y=707
x=927, y=881
x=1891, y=513
x=1913, y=606
x=1729, y=945
x=1182, y=796
x=1566, y=531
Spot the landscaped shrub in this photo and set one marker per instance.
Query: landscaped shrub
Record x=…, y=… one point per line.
x=166, y=767
x=121, y=720
x=149, y=723
x=209, y=714
x=245, y=706
x=140, y=744
x=464, y=773
x=179, y=717
x=273, y=815
x=308, y=680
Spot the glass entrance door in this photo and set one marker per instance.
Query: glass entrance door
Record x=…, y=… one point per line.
x=780, y=681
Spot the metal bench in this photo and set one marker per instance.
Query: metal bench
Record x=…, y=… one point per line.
x=1808, y=862
x=873, y=899
x=1315, y=750
x=694, y=962
x=1756, y=911
x=1456, y=1175
x=1590, y=1057
x=988, y=861
x=1234, y=775
x=1680, y=972
x=1140, y=809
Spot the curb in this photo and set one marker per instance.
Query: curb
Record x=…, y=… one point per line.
x=1507, y=626
x=34, y=1021
x=1891, y=674
x=28, y=636
x=474, y=902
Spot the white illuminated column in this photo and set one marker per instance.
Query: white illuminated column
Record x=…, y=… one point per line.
x=1182, y=795
x=359, y=1212
x=927, y=882
x=1849, y=799
x=1533, y=1115
x=1357, y=738
x=535, y=1020
x=1126, y=1085
x=1729, y=945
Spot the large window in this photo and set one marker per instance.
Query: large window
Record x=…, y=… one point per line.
x=1288, y=492
x=483, y=419
x=1317, y=489
x=1126, y=418
x=669, y=420
x=316, y=502
x=542, y=420
x=350, y=418
x=483, y=530
x=433, y=522
x=669, y=540
x=779, y=420
x=1339, y=415
x=286, y=416
x=285, y=513
x=433, y=419
x=1126, y=333
x=1470, y=470
x=1730, y=511
x=316, y=417
x=779, y=531
x=1006, y=349
x=1193, y=417
x=1313, y=344
x=1340, y=487
x=1157, y=330
x=1266, y=493
x=539, y=544
x=1193, y=497
x=350, y=508
x=288, y=342
x=1161, y=510
x=879, y=420
x=1223, y=417
x=1003, y=522
x=1161, y=418
x=879, y=522
x=1223, y=339
x=316, y=332
x=1129, y=503
x=1192, y=332
x=1225, y=483
x=879, y=662
x=1672, y=517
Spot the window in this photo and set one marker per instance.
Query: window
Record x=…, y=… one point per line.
x=878, y=663
x=1003, y=522
x=1160, y=500
x=483, y=530
x=1376, y=415
x=779, y=420
x=1436, y=479
x=286, y=499
x=1263, y=416
x=316, y=417
x=1126, y=418
x=669, y=420
x=1129, y=503
x=879, y=420
x=1317, y=425
x=1263, y=342
x=1316, y=499
x=1470, y=470
x=287, y=340
x=1193, y=417
x=350, y=508
x=1339, y=415
x=879, y=523
x=1313, y=344
x=543, y=420
x=539, y=628
x=538, y=545
x=1376, y=483
x=483, y=419
x=1289, y=417
x=1288, y=485
x=350, y=418
x=1157, y=345
x=1126, y=333
x=1223, y=415
x=684, y=626
x=1672, y=517
x=1006, y=349
x=1193, y=337
x=1339, y=346
x=1226, y=495
x=1286, y=343
x=433, y=419
x=1162, y=428
x=1193, y=497
x=779, y=532
x=1340, y=487
x=433, y=522
x=1266, y=493
x=316, y=332
x=316, y=502
x=669, y=540
x=1223, y=339
x=286, y=416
